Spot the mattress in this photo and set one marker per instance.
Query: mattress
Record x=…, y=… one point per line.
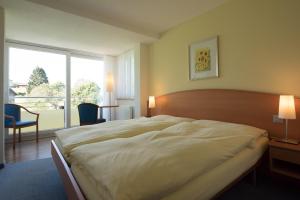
x=202, y=187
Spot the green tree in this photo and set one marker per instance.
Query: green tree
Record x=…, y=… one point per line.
x=85, y=91
x=55, y=90
x=37, y=78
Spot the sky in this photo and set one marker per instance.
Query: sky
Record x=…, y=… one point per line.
x=22, y=62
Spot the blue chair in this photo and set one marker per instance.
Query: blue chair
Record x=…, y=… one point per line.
x=88, y=114
x=13, y=120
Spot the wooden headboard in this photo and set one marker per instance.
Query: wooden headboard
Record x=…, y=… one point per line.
x=245, y=107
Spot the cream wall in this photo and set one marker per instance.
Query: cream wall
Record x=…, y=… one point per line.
x=144, y=67
x=141, y=63
x=259, y=49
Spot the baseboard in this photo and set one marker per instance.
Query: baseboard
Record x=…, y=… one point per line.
x=1, y=165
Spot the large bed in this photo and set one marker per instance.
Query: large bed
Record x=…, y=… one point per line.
x=175, y=163
x=238, y=107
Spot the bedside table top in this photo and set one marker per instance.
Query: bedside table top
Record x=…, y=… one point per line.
x=283, y=145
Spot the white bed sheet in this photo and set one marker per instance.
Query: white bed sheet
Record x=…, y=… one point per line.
x=202, y=187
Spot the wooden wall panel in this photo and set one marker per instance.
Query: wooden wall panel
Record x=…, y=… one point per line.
x=246, y=107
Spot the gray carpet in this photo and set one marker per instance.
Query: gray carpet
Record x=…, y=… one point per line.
x=39, y=180
x=266, y=188
x=31, y=180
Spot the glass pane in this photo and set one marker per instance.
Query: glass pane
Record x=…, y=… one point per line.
x=87, y=81
x=37, y=82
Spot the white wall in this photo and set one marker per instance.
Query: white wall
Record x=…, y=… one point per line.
x=2, y=158
x=34, y=23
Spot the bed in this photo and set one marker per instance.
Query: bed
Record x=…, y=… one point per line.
x=68, y=139
x=242, y=107
x=175, y=163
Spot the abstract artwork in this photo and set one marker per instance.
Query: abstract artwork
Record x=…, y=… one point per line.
x=204, y=59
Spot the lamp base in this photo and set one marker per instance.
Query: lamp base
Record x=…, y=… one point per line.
x=290, y=141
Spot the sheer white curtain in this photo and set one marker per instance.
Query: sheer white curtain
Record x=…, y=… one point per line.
x=110, y=63
x=125, y=76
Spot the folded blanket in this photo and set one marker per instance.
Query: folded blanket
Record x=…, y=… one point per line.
x=70, y=138
x=154, y=164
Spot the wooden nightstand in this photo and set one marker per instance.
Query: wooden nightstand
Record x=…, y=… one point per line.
x=285, y=159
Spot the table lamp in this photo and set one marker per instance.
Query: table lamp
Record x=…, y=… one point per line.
x=286, y=112
x=150, y=105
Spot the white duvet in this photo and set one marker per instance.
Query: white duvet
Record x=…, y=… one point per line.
x=70, y=138
x=154, y=164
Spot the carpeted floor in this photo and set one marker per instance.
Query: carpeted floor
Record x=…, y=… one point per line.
x=266, y=189
x=31, y=180
x=39, y=180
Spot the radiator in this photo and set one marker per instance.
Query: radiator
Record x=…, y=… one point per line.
x=124, y=112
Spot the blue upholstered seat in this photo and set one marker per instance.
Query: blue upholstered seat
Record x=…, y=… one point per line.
x=88, y=114
x=19, y=123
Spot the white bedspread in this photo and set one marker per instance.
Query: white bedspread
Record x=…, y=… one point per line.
x=153, y=164
x=70, y=138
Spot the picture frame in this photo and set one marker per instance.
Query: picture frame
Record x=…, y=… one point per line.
x=203, y=59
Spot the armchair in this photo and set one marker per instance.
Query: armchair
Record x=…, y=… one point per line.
x=13, y=120
x=88, y=114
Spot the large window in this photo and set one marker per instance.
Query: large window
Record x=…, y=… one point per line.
x=87, y=84
x=39, y=79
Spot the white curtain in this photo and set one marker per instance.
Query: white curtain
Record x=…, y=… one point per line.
x=109, y=69
x=125, y=76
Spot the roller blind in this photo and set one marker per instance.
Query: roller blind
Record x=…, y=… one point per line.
x=125, y=76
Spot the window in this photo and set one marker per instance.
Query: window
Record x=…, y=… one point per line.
x=37, y=81
x=125, y=77
x=40, y=79
x=87, y=84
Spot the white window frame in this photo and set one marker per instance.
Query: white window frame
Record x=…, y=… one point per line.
x=49, y=49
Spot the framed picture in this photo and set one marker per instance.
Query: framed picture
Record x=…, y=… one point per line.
x=204, y=59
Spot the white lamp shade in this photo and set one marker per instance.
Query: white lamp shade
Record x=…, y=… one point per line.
x=109, y=83
x=151, y=102
x=287, y=107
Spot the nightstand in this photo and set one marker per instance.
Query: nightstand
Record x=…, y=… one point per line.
x=285, y=159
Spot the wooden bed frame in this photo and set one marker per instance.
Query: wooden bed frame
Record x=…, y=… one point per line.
x=71, y=186
x=245, y=107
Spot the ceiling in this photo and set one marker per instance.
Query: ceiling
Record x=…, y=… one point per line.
x=150, y=17
x=107, y=27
